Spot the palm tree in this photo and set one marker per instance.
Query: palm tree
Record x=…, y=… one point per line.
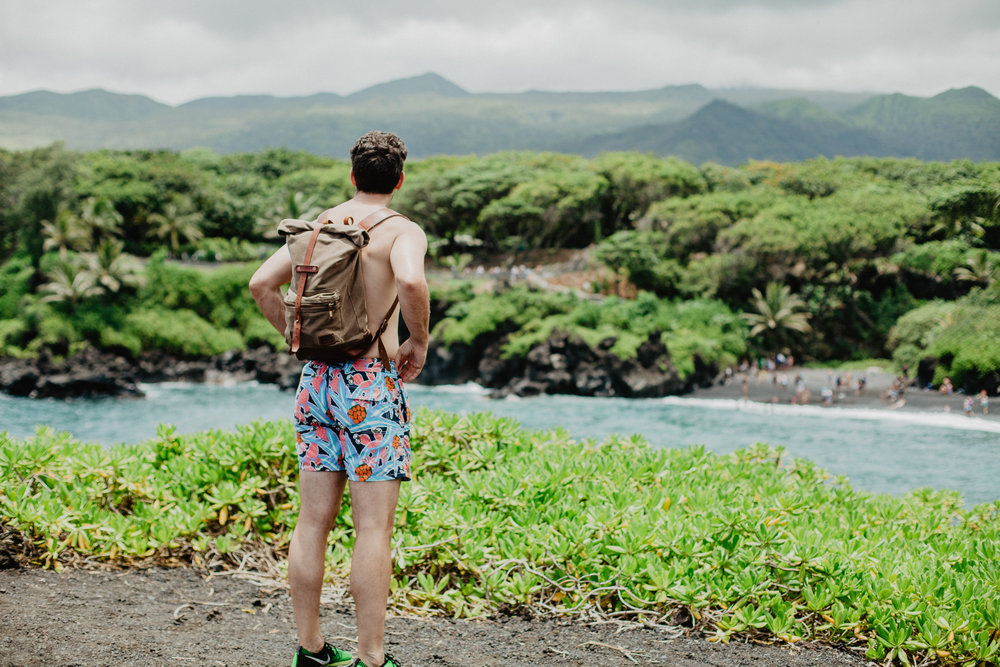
x=70, y=282
x=778, y=312
x=981, y=266
x=297, y=205
x=177, y=221
x=101, y=218
x=64, y=233
x=112, y=268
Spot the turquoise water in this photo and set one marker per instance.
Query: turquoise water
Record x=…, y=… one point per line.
x=890, y=452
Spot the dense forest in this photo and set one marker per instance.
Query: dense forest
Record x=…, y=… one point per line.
x=832, y=260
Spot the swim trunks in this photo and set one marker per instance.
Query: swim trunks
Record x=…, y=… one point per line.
x=353, y=416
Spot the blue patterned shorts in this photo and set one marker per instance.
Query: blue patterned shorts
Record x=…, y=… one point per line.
x=353, y=416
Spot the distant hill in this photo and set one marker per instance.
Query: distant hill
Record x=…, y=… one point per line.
x=435, y=116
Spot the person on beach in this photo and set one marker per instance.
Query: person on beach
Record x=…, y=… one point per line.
x=352, y=418
x=984, y=401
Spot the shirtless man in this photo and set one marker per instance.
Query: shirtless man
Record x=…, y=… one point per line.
x=392, y=263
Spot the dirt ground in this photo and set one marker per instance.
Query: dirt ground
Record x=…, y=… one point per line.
x=186, y=616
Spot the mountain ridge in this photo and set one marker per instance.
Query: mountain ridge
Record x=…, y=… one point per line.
x=436, y=116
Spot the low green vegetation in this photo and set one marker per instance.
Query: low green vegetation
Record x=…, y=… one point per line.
x=698, y=327
x=747, y=545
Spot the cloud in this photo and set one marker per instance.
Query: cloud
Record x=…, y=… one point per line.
x=184, y=49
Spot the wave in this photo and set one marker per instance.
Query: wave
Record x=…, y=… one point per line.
x=944, y=420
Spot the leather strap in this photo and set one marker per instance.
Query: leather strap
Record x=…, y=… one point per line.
x=377, y=216
x=368, y=223
x=303, y=270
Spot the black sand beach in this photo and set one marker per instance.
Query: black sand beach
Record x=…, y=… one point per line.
x=780, y=387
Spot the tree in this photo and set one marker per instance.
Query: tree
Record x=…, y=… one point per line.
x=69, y=282
x=981, y=266
x=101, y=219
x=296, y=205
x=778, y=312
x=64, y=233
x=111, y=268
x=177, y=221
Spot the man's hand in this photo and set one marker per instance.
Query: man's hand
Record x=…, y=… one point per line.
x=410, y=360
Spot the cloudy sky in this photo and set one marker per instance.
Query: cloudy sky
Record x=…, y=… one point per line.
x=178, y=50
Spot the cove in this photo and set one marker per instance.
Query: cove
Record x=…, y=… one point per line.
x=876, y=450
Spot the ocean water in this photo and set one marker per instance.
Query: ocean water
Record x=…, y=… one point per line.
x=878, y=450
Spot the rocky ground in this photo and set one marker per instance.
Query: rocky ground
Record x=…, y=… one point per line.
x=189, y=617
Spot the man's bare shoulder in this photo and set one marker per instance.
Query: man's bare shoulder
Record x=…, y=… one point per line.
x=405, y=228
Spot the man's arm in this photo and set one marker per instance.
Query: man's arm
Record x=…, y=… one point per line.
x=265, y=286
x=407, y=262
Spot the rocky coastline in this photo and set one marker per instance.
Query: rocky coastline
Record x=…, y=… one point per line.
x=562, y=364
x=92, y=373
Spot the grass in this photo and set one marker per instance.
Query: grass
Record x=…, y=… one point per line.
x=747, y=545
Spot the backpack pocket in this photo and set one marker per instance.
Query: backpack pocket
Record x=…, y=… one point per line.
x=321, y=319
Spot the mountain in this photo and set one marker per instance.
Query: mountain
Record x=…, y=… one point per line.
x=435, y=116
x=729, y=134
x=96, y=105
x=425, y=84
x=956, y=123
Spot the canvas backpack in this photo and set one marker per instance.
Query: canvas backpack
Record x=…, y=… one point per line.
x=326, y=318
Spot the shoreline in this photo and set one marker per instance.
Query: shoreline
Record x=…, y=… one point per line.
x=768, y=390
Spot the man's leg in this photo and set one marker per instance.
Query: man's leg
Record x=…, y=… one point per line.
x=373, y=506
x=320, y=494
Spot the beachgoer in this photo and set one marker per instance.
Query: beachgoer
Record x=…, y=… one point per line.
x=967, y=406
x=352, y=418
x=947, y=387
x=984, y=400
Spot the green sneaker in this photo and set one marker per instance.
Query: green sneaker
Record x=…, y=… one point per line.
x=389, y=662
x=330, y=656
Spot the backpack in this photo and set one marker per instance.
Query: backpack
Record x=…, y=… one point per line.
x=326, y=318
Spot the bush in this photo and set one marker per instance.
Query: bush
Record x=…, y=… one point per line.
x=15, y=283
x=180, y=331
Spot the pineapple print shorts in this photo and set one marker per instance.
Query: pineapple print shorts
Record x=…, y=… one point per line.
x=353, y=417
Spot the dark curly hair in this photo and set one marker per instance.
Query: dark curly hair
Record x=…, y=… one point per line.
x=377, y=161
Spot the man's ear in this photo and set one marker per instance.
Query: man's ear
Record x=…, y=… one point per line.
x=402, y=175
x=353, y=182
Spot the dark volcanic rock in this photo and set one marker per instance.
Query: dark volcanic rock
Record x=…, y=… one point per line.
x=565, y=364
x=88, y=373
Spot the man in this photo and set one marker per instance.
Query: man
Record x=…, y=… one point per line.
x=327, y=437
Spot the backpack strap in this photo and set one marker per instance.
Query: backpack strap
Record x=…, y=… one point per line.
x=377, y=216
x=303, y=270
x=368, y=223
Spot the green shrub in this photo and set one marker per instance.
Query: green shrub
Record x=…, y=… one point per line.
x=15, y=283
x=934, y=258
x=11, y=335
x=180, y=331
x=259, y=330
x=753, y=545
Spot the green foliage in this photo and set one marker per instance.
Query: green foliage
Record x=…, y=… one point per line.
x=555, y=209
x=11, y=334
x=15, y=284
x=708, y=329
x=969, y=343
x=180, y=331
x=488, y=313
x=219, y=295
x=645, y=259
x=637, y=181
x=934, y=258
x=751, y=545
x=964, y=336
